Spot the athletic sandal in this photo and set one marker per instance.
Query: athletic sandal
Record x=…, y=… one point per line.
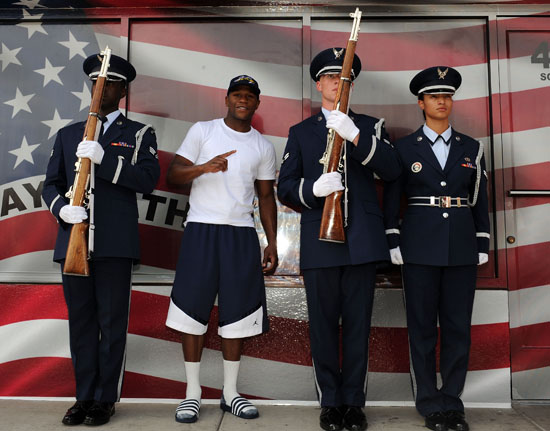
x=188, y=411
x=238, y=406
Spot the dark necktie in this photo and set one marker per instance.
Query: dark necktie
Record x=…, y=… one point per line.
x=103, y=121
x=440, y=136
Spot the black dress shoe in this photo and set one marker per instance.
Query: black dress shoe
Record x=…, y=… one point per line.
x=331, y=419
x=456, y=421
x=99, y=413
x=355, y=419
x=76, y=414
x=436, y=421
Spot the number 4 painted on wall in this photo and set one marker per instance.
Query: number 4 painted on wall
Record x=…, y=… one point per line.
x=541, y=55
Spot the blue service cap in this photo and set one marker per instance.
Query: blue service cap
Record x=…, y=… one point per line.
x=119, y=68
x=436, y=80
x=330, y=61
x=245, y=80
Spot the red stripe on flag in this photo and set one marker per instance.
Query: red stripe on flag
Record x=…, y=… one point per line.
x=40, y=231
x=490, y=347
x=515, y=116
x=530, y=347
x=31, y=302
x=167, y=246
x=531, y=267
x=37, y=377
x=165, y=159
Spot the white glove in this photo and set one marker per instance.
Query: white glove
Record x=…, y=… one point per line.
x=483, y=258
x=343, y=125
x=91, y=150
x=396, y=258
x=72, y=214
x=327, y=183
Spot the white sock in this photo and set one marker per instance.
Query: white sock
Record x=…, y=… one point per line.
x=192, y=372
x=230, y=375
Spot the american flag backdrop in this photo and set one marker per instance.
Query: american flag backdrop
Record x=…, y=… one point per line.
x=184, y=65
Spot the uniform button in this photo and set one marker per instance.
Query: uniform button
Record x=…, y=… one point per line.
x=443, y=183
x=445, y=215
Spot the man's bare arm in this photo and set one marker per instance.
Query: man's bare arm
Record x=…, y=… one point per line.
x=183, y=171
x=268, y=217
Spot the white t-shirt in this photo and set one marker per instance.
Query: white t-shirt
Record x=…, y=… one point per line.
x=226, y=197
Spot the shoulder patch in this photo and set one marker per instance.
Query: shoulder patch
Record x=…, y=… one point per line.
x=285, y=157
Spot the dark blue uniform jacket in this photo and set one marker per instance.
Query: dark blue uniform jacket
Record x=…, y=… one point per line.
x=365, y=240
x=118, y=178
x=433, y=235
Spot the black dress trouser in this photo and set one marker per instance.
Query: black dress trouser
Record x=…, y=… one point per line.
x=345, y=292
x=98, y=308
x=446, y=294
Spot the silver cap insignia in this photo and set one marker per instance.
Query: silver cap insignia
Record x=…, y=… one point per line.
x=442, y=74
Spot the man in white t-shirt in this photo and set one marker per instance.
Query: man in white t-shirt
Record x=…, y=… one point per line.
x=228, y=162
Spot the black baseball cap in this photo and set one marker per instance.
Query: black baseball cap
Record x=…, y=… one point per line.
x=246, y=80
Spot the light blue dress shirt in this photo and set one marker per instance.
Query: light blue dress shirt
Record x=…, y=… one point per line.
x=441, y=143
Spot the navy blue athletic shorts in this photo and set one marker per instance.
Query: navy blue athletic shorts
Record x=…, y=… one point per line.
x=225, y=261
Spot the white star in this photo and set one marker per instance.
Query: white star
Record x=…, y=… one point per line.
x=85, y=97
x=50, y=72
x=32, y=27
x=31, y=4
x=20, y=103
x=56, y=123
x=75, y=47
x=9, y=56
x=24, y=152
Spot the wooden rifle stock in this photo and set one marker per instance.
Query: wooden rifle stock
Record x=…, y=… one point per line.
x=332, y=221
x=76, y=260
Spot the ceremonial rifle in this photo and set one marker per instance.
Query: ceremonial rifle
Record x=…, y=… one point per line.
x=78, y=252
x=332, y=223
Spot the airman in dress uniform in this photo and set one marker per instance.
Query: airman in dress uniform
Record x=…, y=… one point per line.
x=442, y=238
x=125, y=163
x=339, y=277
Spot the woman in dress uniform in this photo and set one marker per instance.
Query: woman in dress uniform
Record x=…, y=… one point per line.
x=443, y=237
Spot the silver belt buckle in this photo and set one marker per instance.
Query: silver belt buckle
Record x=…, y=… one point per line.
x=444, y=201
